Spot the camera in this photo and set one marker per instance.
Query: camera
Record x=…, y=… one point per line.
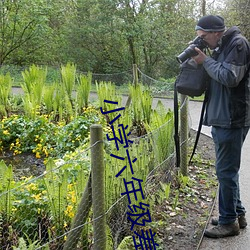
x=190, y=51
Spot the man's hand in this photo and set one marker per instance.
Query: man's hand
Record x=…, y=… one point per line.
x=200, y=58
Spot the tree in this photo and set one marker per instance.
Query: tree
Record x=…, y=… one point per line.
x=20, y=22
x=108, y=36
x=237, y=13
x=94, y=39
x=102, y=36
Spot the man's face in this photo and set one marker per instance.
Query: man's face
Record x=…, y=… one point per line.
x=211, y=38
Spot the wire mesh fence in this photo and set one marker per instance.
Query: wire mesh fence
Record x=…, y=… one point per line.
x=163, y=87
x=158, y=87
x=56, y=209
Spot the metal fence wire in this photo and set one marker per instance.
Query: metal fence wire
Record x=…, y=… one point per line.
x=80, y=202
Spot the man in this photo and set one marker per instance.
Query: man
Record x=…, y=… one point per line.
x=228, y=112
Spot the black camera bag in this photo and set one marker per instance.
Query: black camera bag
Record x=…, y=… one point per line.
x=192, y=79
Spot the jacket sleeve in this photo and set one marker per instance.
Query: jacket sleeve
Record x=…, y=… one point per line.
x=234, y=66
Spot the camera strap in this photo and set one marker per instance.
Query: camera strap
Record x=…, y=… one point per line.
x=199, y=127
x=176, y=126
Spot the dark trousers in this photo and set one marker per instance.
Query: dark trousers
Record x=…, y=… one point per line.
x=228, y=145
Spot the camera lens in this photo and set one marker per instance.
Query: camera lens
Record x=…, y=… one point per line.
x=190, y=51
x=187, y=53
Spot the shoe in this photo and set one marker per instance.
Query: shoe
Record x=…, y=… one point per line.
x=221, y=231
x=241, y=219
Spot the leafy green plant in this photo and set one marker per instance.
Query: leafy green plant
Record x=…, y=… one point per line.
x=176, y=199
x=147, y=105
x=166, y=188
x=48, y=98
x=83, y=91
x=141, y=103
x=57, y=97
x=126, y=244
x=30, y=207
x=184, y=181
x=43, y=137
x=107, y=91
x=62, y=104
x=48, y=202
x=68, y=74
x=23, y=134
x=65, y=181
x=160, y=195
x=23, y=245
x=34, y=81
x=58, y=102
x=5, y=90
x=6, y=184
x=161, y=129
x=114, y=185
x=56, y=184
x=6, y=204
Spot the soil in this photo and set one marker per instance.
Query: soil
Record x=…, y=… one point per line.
x=25, y=164
x=185, y=223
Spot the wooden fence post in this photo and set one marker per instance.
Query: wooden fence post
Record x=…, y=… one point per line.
x=135, y=74
x=98, y=188
x=135, y=82
x=184, y=135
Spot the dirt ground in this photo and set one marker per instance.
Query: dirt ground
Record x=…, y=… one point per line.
x=186, y=223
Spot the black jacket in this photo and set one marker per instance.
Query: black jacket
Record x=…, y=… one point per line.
x=229, y=90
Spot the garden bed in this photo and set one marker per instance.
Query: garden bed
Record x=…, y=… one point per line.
x=178, y=220
x=54, y=125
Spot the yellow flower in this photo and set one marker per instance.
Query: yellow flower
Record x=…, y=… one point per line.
x=38, y=155
x=16, y=152
x=6, y=132
x=26, y=178
x=31, y=187
x=14, y=209
x=73, y=199
x=37, y=196
x=69, y=211
x=45, y=151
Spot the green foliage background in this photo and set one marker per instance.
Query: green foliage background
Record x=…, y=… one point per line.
x=106, y=36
